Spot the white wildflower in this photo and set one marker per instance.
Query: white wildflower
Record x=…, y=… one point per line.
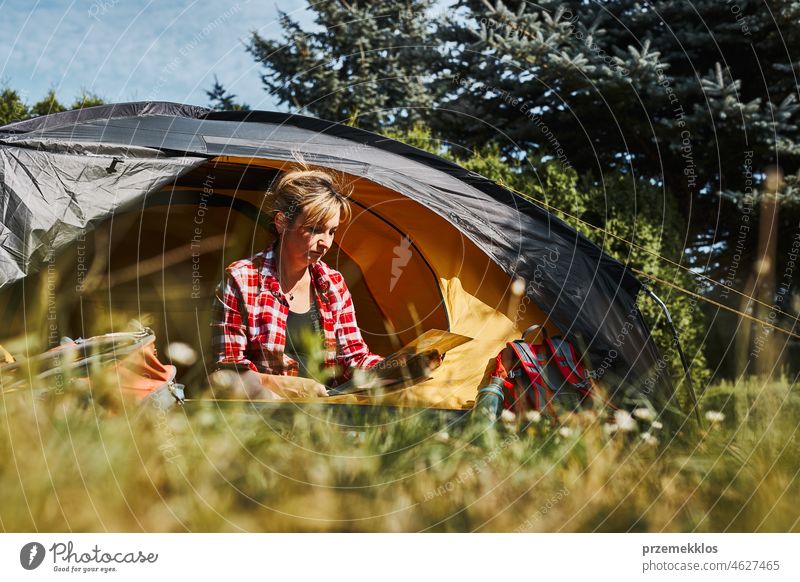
x=533, y=416
x=507, y=416
x=181, y=354
x=656, y=425
x=565, y=431
x=609, y=429
x=714, y=416
x=649, y=438
x=207, y=418
x=177, y=423
x=625, y=422
x=357, y=437
x=643, y=413
x=442, y=436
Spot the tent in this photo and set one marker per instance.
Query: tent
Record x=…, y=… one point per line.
x=134, y=209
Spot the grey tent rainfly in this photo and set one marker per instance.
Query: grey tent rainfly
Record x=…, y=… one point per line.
x=177, y=192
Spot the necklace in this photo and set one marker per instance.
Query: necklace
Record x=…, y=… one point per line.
x=290, y=292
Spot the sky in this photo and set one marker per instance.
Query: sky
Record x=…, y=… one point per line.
x=132, y=50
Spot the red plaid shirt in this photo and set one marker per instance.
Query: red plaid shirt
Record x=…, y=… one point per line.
x=249, y=320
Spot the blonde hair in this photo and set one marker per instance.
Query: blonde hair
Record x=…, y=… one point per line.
x=318, y=192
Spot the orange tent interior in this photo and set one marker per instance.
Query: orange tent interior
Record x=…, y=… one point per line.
x=409, y=270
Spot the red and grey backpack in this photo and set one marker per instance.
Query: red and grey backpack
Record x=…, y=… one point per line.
x=548, y=377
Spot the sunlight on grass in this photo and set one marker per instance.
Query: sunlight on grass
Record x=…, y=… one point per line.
x=70, y=464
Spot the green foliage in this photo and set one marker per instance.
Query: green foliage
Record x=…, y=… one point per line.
x=47, y=105
x=13, y=107
x=619, y=83
x=87, y=99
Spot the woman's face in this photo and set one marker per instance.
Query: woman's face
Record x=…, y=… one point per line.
x=308, y=244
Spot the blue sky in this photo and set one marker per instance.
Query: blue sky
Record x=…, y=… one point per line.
x=129, y=50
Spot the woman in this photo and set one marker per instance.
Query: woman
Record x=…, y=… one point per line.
x=267, y=305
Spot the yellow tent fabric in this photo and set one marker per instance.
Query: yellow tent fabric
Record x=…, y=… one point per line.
x=408, y=268
x=446, y=283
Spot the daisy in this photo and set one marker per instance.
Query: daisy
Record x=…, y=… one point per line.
x=625, y=422
x=533, y=416
x=508, y=416
x=649, y=439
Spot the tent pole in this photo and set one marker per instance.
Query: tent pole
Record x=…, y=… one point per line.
x=684, y=362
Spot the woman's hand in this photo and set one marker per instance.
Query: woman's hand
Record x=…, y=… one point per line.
x=423, y=364
x=290, y=387
x=250, y=385
x=228, y=384
x=434, y=360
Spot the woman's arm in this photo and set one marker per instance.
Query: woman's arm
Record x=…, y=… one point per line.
x=228, y=334
x=229, y=346
x=252, y=385
x=352, y=347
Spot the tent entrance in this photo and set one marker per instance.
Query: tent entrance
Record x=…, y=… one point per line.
x=396, y=291
x=409, y=270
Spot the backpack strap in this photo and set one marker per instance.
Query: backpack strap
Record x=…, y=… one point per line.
x=565, y=359
x=565, y=350
x=533, y=328
x=533, y=369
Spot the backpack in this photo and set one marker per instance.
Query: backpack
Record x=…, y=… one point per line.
x=548, y=377
x=130, y=357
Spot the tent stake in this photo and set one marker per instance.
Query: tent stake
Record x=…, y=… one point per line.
x=675, y=336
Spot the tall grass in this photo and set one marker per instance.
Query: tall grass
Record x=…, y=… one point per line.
x=70, y=464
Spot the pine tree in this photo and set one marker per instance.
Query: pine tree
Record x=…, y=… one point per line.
x=696, y=97
x=693, y=100
x=221, y=100
x=688, y=95
x=369, y=63
x=643, y=87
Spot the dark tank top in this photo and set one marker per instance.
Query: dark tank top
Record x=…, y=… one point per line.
x=301, y=330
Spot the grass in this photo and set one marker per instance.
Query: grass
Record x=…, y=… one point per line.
x=69, y=464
